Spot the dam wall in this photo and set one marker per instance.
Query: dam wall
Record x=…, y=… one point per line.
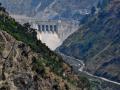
x=50, y=32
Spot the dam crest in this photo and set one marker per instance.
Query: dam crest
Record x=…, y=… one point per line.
x=50, y=32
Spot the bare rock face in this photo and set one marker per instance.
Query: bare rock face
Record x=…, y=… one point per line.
x=16, y=68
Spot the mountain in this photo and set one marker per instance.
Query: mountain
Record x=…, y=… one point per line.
x=23, y=69
x=27, y=64
x=49, y=9
x=66, y=12
x=97, y=42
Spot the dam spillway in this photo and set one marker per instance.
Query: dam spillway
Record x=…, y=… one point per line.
x=50, y=32
x=54, y=32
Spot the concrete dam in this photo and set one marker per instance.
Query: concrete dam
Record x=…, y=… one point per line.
x=51, y=32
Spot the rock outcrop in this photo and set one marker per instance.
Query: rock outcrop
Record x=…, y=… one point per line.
x=18, y=70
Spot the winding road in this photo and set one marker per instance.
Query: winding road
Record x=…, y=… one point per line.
x=80, y=65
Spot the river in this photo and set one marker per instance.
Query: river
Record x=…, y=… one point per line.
x=79, y=65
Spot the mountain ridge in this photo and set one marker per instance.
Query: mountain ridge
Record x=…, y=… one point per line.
x=26, y=63
x=50, y=9
x=97, y=42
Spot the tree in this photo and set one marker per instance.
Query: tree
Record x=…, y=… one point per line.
x=93, y=9
x=99, y=5
x=26, y=25
x=0, y=4
x=2, y=8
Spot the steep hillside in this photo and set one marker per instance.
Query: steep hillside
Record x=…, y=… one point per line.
x=27, y=64
x=97, y=42
x=22, y=69
x=49, y=8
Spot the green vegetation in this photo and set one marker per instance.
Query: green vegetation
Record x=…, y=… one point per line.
x=28, y=35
